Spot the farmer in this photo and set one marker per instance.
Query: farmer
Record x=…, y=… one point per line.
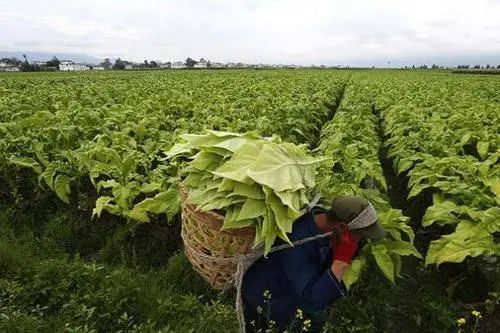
x=292, y=288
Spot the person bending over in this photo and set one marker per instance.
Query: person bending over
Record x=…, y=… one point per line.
x=292, y=288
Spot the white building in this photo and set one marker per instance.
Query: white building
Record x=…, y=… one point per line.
x=178, y=65
x=129, y=66
x=98, y=68
x=5, y=67
x=201, y=64
x=217, y=65
x=67, y=65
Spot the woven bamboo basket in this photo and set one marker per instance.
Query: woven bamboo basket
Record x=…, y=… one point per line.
x=209, y=249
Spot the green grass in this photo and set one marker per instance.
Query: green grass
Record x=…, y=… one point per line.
x=47, y=286
x=63, y=293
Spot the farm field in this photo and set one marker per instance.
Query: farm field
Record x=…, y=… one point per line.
x=89, y=211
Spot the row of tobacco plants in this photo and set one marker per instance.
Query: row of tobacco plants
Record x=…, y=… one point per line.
x=441, y=134
x=97, y=141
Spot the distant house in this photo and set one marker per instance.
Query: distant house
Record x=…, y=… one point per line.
x=201, y=64
x=166, y=65
x=178, y=65
x=68, y=65
x=217, y=65
x=6, y=67
x=129, y=66
x=98, y=68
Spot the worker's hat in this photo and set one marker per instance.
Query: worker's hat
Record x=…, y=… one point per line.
x=359, y=214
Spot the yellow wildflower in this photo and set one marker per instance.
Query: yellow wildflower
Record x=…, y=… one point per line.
x=461, y=321
x=476, y=314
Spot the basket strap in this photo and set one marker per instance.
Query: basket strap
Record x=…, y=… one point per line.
x=313, y=203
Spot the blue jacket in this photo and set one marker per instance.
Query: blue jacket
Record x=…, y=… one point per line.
x=297, y=278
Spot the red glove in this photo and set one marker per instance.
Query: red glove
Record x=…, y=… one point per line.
x=345, y=246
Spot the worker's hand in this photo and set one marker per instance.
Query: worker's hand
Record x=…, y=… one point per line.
x=345, y=245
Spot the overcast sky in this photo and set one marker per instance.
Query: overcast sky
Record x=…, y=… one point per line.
x=268, y=31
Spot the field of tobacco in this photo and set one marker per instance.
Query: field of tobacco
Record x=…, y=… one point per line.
x=89, y=222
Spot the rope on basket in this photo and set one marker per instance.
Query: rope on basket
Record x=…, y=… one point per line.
x=245, y=261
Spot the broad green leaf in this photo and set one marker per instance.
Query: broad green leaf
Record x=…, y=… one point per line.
x=237, y=167
x=384, y=261
x=440, y=213
x=416, y=189
x=106, y=184
x=166, y=202
x=139, y=214
x=150, y=187
x=400, y=248
x=252, y=191
x=469, y=239
x=62, y=187
x=495, y=187
x=231, y=221
x=482, y=148
x=353, y=273
x=281, y=171
x=397, y=262
x=290, y=199
x=404, y=165
x=252, y=209
x=465, y=139
x=178, y=150
x=48, y=175
x=206, y=161
x=27, y=163
x=104, y=203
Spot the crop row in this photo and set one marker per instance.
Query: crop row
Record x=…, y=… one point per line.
x=97, y=140
x=351, y=143
x=442, y=136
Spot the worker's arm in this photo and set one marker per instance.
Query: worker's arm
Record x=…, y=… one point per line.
x=343, y=250
x=339, y=268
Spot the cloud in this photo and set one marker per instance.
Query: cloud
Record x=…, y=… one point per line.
x=275, y=31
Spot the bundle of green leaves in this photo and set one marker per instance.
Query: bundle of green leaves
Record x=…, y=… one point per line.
x=254, y=181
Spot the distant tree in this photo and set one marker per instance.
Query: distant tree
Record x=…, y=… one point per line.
x=190, y=62
x=434, y=66
x=413, y=66
x=25, y=65
x=106, y=64
x=146, y=64
x=488, y=66
x=11, y=61
x=54, y=62
x=153, y=64
x=119, y=64
x=498, y=67
x=477, y=67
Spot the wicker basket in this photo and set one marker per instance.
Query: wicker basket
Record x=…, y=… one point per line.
x=209, y=249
